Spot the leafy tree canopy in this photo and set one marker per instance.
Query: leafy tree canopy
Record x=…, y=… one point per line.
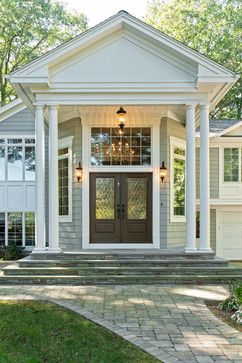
x=29, y=28
x=212, y=27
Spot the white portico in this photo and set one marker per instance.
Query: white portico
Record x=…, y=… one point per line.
x=125, y=62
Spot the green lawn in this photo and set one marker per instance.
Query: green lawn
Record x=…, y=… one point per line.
x=41, y=332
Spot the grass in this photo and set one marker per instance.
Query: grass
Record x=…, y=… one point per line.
x=41, y=332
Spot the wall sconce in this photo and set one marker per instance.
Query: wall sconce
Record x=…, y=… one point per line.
x=78, y=173
x=163, y=171
x=121, y=113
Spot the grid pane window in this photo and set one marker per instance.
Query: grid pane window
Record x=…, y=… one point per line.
x=231, y=164
x=133, y=147
x=29, y=163
x=17, y=159
x=179, y=165
x=2, y=229
x=15, y=163
x=63, y=166
x=15, y=228
x=2, y=163
x=29, y=229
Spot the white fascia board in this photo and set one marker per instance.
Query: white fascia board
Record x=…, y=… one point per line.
x=11, y=109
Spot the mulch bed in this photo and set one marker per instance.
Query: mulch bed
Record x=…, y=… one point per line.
x=225, y=316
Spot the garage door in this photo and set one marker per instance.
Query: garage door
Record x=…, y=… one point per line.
x=229, y=241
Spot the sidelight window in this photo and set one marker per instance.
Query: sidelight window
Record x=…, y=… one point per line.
x=65, y=178
x=178, y=171
x=108, y=147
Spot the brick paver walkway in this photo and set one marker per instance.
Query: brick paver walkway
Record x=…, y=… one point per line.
x=170, y=322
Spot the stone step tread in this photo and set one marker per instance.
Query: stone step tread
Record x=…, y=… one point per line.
x=125, y=268
x=115, y=279
x=137, y=261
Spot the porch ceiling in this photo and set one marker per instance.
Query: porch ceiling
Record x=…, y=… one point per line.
x=136, y=114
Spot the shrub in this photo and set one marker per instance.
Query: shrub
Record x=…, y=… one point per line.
x=233, y=302
x=237, y=316
x=10, y=252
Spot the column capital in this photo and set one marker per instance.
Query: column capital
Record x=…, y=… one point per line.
x=53, y=107
x=190, y=106
x=204, y=105
x=38, y=106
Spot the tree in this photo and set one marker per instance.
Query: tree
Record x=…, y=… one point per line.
x=213, y=28
x=29, y=28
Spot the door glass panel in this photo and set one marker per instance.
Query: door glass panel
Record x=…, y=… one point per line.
x=104, y=198
x=137, y=198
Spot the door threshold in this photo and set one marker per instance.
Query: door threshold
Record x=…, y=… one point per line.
x=120, y=246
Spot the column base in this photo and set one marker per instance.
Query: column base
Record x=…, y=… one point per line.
x=190, y=249
x=39, y=250
x=54, y=250
x=205, y=250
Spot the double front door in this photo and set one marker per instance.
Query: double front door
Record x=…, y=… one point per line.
x=120, y=207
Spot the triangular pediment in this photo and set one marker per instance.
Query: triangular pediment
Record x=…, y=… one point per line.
x=121, y=60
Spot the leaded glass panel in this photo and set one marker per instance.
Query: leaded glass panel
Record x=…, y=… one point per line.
x=29, y=163
x=63, y=186
x=137, y=198
x=105, y=198
x=15, y=163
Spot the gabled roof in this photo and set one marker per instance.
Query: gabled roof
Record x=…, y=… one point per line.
x=120, y=19
x=221, y=127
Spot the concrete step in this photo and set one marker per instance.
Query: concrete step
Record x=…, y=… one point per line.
x=129, y=255
x=125, y=271
x=122, y=262
x=116, y=279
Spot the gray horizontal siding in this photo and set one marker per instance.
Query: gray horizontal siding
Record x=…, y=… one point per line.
x=19, y=124
x=71, y=232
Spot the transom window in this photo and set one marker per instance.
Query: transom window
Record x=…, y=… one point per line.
x=17, y=228
x=232, y=164
x=17, y=159
x=108, y=147
x=178, y=171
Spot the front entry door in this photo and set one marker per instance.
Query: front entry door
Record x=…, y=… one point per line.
x=120, y=207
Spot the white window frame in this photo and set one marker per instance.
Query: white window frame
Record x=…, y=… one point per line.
x=240, y=165
x=67, y=142
x=28, y=248
x=175, y=143
x=23, y=145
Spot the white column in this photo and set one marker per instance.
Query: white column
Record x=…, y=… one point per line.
x=53, y=181
x=204, y=180
x=40, y=179
x=190, y=180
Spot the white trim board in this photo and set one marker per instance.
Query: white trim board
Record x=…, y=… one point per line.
x=154, y=168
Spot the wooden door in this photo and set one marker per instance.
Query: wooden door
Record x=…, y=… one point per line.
x=120, y=207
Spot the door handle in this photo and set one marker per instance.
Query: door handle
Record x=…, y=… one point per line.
x=123, y=211
x=118, y=211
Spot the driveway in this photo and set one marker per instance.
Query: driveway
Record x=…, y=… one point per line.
x=170, y=322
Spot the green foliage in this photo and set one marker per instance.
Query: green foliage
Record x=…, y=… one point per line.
x=29, y=29
x=213, y=28
x=234, y=300
x=39, y=332
x=11, y=252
